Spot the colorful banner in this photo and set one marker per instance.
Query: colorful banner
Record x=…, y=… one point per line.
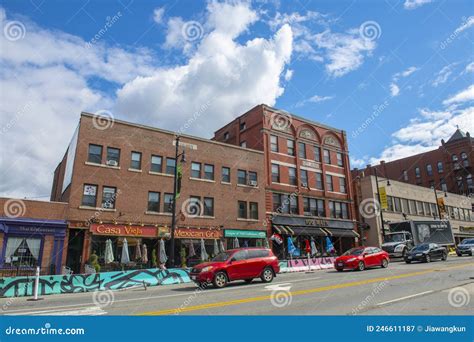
x=383, y=197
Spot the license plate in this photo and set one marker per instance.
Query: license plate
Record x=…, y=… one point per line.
x=340, y=264
x=193, y=277
x=410, y=257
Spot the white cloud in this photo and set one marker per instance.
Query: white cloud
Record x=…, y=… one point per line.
x=314, y=99
x=465, y=25
x=443, y=75
x=158, y=14
x=412, y=4
x=394, y=90
x=463, y=96
x=405, y=73
x=469, y=67
x=288, y=74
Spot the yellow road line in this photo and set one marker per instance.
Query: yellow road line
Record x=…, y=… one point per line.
x=297, y=293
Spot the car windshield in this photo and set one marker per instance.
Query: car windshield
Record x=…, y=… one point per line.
x=222, y=256
x=354, y=251
x=467, y=242
x=394, y=238
x=422, y=247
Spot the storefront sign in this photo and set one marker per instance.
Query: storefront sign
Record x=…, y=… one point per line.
x=35, y=229
x=311, y=164
x=239, y=233
x=193, y=233
x=123, y=230
x=313, y=222
x=466, y=229
x=316, y=222
x=383, y=197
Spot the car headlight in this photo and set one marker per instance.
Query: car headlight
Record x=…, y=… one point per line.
x=351, y=259
x=399, y=248
x=206, y=269
x=419, y=254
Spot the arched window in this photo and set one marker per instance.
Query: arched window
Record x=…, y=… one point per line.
x=440, y=167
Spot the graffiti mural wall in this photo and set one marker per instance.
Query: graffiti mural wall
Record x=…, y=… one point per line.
x=298, y=265
x=56, y=284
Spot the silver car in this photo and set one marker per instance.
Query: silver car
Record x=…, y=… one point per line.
x=465, y=247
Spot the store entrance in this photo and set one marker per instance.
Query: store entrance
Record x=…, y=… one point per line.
x=74, y=250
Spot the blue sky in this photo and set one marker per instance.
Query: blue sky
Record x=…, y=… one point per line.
x=396, y=75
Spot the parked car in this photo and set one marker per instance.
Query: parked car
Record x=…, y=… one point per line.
x=426, y=252
x=360, y=258
x=465, y=247
x=237, y=264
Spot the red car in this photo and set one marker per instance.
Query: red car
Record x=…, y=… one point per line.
x=237, y=264
x=360, y=258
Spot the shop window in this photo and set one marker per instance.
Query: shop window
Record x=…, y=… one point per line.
x=342, y=185
x=170, y=166
x=293, y=205
x=440, y=167
x=340, y=161
x=429, y=170
x=302, y=150
x=156, y=164
x=95, y=154
x=22, y=252
x=319, y=181
x=242, y=177
x=113, y=156
x=89, y=197
x=327, y=156
x=292, y=176
x=168, y=203
x=275, y=173
x=153, y=201
x=225, y=175
x=209, y=171
x=195, y=170
x=242, y=209
x=208, y=206
x=273, y=143
x=317, y=154
x=290, y=146
x=253, y=210
x=109, y=195
x=136, y=162
x=304, y=178
x=329, y=185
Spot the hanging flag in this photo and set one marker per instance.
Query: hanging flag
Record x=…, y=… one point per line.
x=291, y=246
x=329, y=245
x=178, y=180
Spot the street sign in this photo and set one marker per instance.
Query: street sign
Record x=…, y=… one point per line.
x=186, y=145
x=383, y=197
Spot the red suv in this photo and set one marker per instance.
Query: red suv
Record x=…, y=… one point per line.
x=237, y=264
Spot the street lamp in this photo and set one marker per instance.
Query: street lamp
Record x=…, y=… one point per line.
x=173, y=206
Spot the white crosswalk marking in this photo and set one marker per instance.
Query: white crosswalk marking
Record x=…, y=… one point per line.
x=87, y=311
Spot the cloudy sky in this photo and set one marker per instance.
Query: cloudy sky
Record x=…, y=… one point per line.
x=396, y=75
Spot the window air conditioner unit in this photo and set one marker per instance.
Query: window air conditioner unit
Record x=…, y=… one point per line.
x=304, y=184
x=108, y=205
x=112, y=163
x=252, y=183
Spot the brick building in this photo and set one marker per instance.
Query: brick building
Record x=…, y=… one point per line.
x=448, y=168
x=307, y=177
x=118, y=182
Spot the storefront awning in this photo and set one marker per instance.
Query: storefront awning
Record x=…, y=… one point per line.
x=311, y=231
x=341, y=232
x=284, y=230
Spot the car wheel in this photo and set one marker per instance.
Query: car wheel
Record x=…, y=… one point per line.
x=339, y=269
x=267, y=275
x=248, y=281
x=220, y=280
x=361, y=266
x=427, y=258
x=384, y=263
x=444, y=257
x=459, y=254
x=404, y=253
x=408, y=261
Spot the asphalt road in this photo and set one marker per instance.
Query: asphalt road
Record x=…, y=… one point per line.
x=437, y=288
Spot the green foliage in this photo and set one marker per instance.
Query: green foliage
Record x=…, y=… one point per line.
x=94, y=261
x=183, y=257
x=154, y=258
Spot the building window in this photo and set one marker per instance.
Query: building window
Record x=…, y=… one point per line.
x=225, y=176
x=412, y=207
x=95, y=154
x=276, y=202
x=195, y=206
x=340, y=161
x=427, y=209
x=429, y=170
x=329, y=185
x=22, y=251
x=344, y=210
x=397, y=204
x=444, y=187
x=153, y=201
x=136, y=162
x=226, y=136
x=419, y=208
x=313, y=207
x=290, y=145
x=338, y=210
x=465, y=161
x=327, y=156
x=302, y=150
x=275, y=173
x=243, y=126
x=274, y=143
x=168, y=203
x=342, y=185
x=405, y=208
x=304, y=178
x=389, y=203
x=317, y=154
x=253, y=210
x=332, y=209
x=242, y=210
x=108, y=197
x=208, y=206
x=454, y=158
x=113, y=156
x=292, y=176
x=170, y=166
x=89, y=196
x=242, y=177
x=252, y=178
x=440, y=167
x=293, y=205
x=319, y=181
x=417, y=172
x=243, y=144
x=156, y=164
x=195, y=170
x=209, y=171
x=405, y=175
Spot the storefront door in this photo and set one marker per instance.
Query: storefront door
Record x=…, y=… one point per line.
x=75, y=246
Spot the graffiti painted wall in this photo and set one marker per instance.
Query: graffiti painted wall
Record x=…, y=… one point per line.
x=55, y=284
x=301, y=265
